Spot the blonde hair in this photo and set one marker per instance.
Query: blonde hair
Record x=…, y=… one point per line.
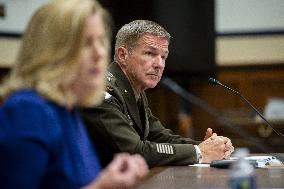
x=130, y=33
x=47, y=61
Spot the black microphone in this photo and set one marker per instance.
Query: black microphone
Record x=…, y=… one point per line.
x=216, y=82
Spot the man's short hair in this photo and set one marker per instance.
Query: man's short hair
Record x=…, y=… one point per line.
x=129, y=34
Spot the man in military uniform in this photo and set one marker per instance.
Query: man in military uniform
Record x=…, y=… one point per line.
x=124, y=121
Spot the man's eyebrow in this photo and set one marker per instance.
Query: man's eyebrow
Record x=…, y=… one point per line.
x=150, y=47
x=154, y=48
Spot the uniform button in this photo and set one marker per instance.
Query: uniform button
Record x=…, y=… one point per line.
x=125, y=91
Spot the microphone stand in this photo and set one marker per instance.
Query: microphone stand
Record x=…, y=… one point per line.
x=216, y=82
x=184, y=94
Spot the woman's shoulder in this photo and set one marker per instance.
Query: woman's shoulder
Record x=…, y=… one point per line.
x=29, y=100
x=27, y=111
x=24, y=97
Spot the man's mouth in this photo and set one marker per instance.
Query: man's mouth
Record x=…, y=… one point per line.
x=157, y=76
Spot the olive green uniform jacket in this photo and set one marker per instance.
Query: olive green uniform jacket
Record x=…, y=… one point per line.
x=117, y=125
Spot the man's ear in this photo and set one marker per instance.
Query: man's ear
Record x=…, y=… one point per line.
x=122, y=55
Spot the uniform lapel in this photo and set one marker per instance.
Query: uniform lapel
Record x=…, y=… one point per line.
x=127, y=92
x=146, y=121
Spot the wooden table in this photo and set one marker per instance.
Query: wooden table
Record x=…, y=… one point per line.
x=184, y=177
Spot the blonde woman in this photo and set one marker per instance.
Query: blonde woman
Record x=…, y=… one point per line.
x=61, y=65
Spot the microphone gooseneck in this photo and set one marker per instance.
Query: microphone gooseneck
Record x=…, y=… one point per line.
x=216, y=82
x=194, y=100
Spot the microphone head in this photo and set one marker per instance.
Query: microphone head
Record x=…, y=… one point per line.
x=213, y=81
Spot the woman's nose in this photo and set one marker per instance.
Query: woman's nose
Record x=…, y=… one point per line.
x=99, y=51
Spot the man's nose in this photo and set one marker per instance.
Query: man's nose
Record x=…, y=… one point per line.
x=159, y=62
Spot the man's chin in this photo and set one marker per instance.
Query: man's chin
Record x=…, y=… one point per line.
x=152, y=85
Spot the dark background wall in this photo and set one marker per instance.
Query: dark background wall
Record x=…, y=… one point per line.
x=191, y=24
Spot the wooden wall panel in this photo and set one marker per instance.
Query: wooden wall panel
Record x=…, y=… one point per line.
x=258, y=84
